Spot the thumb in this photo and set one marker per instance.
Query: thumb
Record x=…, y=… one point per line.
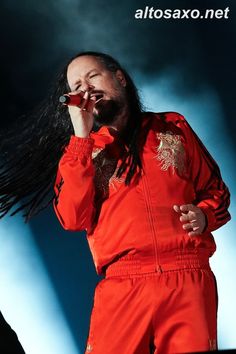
x=176, y=208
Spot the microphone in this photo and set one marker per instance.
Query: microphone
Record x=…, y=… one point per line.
x=71, y=100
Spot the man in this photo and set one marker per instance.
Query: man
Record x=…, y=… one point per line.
x=149, y=195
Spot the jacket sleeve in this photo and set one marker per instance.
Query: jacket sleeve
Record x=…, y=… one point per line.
x=212, y=195
x=74, y=187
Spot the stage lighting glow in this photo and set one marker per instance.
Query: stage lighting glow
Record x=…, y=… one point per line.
x=27, y=299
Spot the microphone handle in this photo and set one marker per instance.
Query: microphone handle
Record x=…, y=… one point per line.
x=71, y=100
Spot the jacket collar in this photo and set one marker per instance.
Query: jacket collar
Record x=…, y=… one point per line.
x=105, y=135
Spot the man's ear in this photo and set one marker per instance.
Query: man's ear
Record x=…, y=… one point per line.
x=121, y=77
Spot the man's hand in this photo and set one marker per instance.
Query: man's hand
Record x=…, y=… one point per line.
x=82, y=116
x=193, y=216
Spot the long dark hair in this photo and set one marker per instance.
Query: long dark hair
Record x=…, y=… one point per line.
x=32, y=148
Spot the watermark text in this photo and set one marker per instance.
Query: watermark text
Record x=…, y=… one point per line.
x=152, y=13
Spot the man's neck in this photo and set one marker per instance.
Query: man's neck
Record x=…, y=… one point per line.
x=121, y=121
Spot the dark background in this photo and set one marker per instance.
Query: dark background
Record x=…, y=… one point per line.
x=38, y=38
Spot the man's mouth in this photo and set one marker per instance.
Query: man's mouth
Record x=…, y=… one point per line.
x=99, y=96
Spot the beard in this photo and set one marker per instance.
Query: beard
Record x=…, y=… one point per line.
x=107, y=111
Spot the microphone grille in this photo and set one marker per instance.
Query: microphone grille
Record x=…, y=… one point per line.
x=63, y=99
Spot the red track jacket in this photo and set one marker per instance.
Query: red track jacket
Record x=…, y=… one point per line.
x=139, y=220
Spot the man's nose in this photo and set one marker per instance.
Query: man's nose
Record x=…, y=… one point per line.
x=86, y=86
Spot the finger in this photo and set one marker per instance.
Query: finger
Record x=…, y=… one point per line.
x=189, y=226
x=80, y=93
x=187, y=207
x=194, y=233
x=91, y=104
x=176, y=208
x=186, y=217
x=191, y=216
x=85, y=100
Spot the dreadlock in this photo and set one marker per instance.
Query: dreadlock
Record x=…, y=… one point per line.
x=32, y=148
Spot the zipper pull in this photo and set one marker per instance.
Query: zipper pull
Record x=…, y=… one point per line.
x=159, y=269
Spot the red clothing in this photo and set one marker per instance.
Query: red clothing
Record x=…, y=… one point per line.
x=159, y=294
x=137, y=222
x=170, y=312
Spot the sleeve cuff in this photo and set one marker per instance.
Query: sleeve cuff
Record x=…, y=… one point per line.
x=210, y=216
x=80, y=147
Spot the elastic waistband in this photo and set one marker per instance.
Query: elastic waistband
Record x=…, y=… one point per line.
x=132, y=264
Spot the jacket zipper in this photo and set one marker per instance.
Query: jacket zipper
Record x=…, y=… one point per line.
x=150, y=218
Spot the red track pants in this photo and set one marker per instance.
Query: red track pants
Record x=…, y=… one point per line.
x=173, y=311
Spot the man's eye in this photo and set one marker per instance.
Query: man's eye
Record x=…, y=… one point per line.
x=93, y=76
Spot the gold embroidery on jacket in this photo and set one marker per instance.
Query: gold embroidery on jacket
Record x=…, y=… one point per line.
x=170, y=152
x=114, y=180
x=106, y=169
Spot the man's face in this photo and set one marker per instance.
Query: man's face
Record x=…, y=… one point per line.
x=87, y=73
